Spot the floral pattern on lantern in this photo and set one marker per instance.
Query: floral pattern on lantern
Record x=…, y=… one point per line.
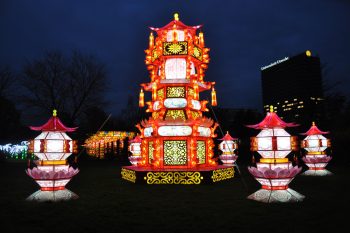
x=316, y=157
x=274, y=171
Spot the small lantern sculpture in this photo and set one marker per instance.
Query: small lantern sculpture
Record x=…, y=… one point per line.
x=316, y=157
x=274, y=172
x=52, y=173
x=228, y=147
x=135, y=149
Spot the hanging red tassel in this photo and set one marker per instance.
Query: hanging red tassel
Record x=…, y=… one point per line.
x=213, y=97
x=141, y=99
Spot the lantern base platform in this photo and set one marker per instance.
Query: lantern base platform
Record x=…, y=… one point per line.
x=52, y=196
x=276, y=196
x=322, y=172
x=205, y=175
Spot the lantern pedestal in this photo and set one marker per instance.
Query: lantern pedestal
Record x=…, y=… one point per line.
x=144, y=175
x=54, y=196
x=276, y=196
x=322, y=172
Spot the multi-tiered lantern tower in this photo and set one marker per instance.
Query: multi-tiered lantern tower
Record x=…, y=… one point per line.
x=177, y=140
x=274, y=171
x=52, y=173
x=316, y=157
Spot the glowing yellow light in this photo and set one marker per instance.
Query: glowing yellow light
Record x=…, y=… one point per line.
x=54, y=112
x=176, y=16
x=308, y=53
x=53, y=162
x=271, y=108
x=277, y=160
x=141, y=99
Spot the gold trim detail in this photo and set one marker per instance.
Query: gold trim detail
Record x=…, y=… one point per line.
x=178, y=48
x=129, y=175
x=173, y=178
x=223, y=174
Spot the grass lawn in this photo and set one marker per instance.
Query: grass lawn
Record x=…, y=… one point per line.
x=109, y=204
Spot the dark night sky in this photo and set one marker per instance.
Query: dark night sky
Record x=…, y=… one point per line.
x=243, y=36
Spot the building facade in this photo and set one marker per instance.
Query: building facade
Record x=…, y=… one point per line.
x=293, y=85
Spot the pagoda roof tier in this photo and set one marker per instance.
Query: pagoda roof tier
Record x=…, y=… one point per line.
x=314, y=130
x=205, y=122
x=186, y=82
x=176, y=24
x=137, y=139
x=272, y=120
x=228, y=137
x=53, y=124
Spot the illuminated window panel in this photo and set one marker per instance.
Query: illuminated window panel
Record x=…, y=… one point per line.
x=172, y=48
x=197, y=53
x=179, y=35
x=175, y=68
x=204, y=131
x=175, y=102
x=172, y=92
x=196, y=104
x=174, y=130
x=175, y=114
x=150, y=152
x=160, y=93
x=175, y=152
x=148, y=132
x=201, y=152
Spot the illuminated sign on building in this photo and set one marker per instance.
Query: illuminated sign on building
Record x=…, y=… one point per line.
x=274, y=63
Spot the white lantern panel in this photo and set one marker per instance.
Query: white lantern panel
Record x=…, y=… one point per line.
x=156, y=105
x=265, y=133
x=175, y=68
x=280, y=132
x=55, y=135
x=52, y=183
x=283, y=143
x=180, y=35
x=55, y=168
x=175, y=102
x=273, y=154
x=274, y=166
x=174, y=130
x=41, y=136
x=148, y=131
x=54, y=145
x=204, y=131
x=196, y=104
x=264, y=143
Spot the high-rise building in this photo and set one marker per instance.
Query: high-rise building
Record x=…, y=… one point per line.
x=293, y=85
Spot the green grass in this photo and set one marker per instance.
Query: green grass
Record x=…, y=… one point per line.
x=109, y=204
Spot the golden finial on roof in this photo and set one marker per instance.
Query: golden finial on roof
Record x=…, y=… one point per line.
x=54, y=112
x=313, y=123
x=271, y=108
x=176, y=16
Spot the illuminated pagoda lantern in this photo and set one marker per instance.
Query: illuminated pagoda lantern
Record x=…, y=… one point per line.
x=52, y=173
x=274, y=171
x=177, y=140
x=316, y=157
x=228, y=147
x=135, y=149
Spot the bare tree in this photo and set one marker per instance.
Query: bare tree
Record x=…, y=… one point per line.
x=70, y=85
x=7, y=81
